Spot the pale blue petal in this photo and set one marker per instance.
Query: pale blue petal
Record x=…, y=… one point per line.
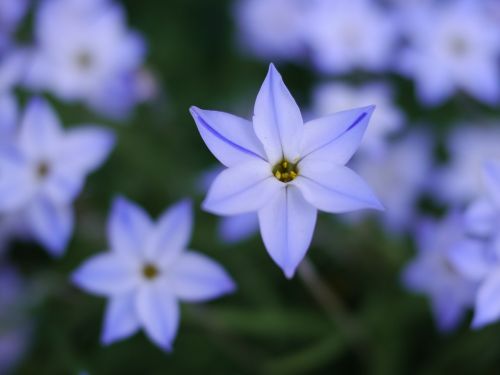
x=491, y=176
x=335, y=138
x=107, y=274
x=40, y=131
x=277, y=119
x=63, y=186
x=231, y=139
x=287, y=225
x=159, y=315
x=239, y=227
x=487, y=308
x=128, y=228
x=334, y=188
x=121, y=320
x=85, y=148
x=480, y=218
x=241, y=189
x=52, y=225
x=448, y=312
x=8, y=115
x=195, y=277
x=172, y=233
x=16, y=186
x=470, y=257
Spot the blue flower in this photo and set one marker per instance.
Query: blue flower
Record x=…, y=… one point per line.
x=345, y=35
x=453, y=46
x=147, y=271
x=434, y=272
x=44, y=169
x=84, y=51
x=283, y=169
x=482, y=263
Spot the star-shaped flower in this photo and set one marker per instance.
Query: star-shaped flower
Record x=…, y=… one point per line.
x=283, y=169
x=434, y=272
x=459, y=51
x=147, y=271
x=44, y=169
x=85, y=52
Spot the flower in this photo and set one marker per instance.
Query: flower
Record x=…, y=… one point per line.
x=147, y=271
x=385, y=122
x=459, y=51
x=345, y=35
x=459, y=181
x=283, y=169
x=85, y=51
x=434, y=273
x=399, y=177
x=11, y=13
x=271, y=28
x=44, y=169
x=482, y=261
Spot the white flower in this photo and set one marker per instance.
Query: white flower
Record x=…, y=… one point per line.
x=147, y=271
x=283, y=169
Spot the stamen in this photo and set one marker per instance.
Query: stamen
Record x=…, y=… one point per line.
x=42, y=170
x=285, y=171
x=150, y=271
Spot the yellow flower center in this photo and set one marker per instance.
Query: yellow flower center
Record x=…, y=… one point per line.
x=285, y=171
x=149, y=271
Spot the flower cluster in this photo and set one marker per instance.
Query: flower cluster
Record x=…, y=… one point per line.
x=444, y=46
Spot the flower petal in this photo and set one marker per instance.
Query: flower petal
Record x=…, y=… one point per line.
x=172, y=233
x=107, y=274
x=335, y=138
x=128, y=227
x=121, y=319
x=240, y=189
x=277, y=119
x=195, y=277
x=487, y=308
x=491, y=176
x=159, y=314
x=480, y=218
x=84, y=149
x=8, y=117
x=287, y=225
x=471, y=259
x=40, y=130
x=239, y=227
x=52, y=225
x=16, y=187
x=63, y=186
x=231, y=139
x=334, y=188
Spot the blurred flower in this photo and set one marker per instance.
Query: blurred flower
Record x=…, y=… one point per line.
x=459, y=51
x=433, y=272
x=468, y=146
x=345, y=35
x=399, y=177
x=386, y=120
x=147, y=271
x=13, y=66
x=284, y=169
x=15, y=328
x=272, y=29
x=481, y=259
x=11, y=13
x=44, y=170
x=85, y=53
